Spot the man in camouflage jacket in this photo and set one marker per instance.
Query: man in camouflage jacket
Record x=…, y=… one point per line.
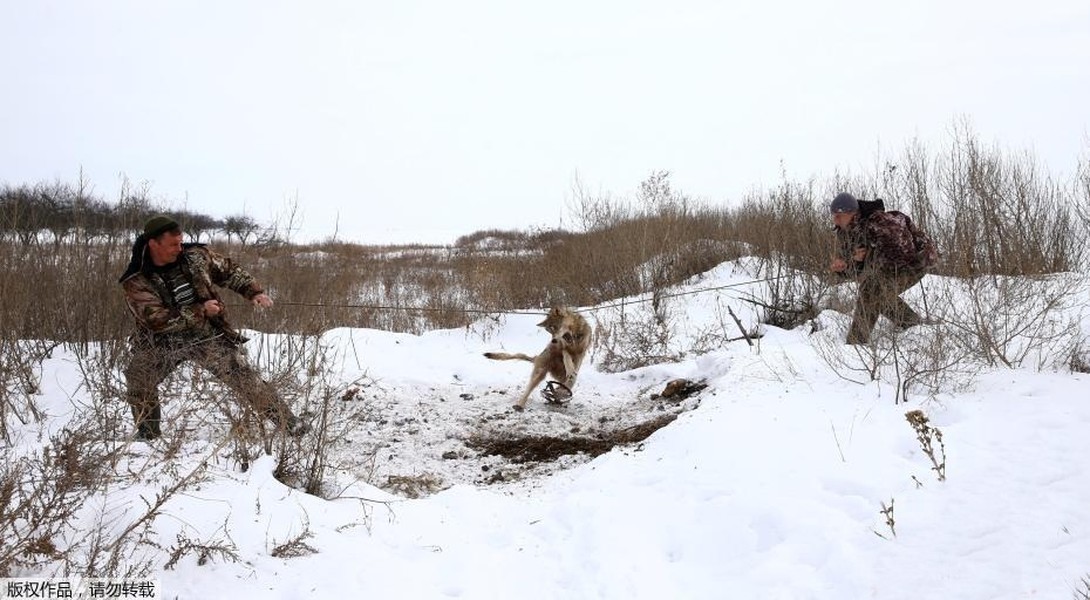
x=171, y=291
x=883, y=251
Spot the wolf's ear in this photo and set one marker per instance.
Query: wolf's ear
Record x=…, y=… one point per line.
x=554, y=312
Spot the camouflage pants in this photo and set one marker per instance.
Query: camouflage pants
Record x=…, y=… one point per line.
x=880, y=294
x=151, y=363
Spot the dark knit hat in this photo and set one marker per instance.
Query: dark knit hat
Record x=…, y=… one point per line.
x=159, y=225
x=844, y=203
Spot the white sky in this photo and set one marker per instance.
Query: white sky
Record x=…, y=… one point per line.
x=421, y=121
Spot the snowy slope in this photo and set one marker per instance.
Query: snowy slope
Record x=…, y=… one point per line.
x=769, y=484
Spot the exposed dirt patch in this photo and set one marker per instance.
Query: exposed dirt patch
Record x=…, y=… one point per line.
x=522, y=448
x=415, y=441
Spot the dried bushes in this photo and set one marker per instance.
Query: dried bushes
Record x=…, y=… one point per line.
x=46, y=494
x=20, y=376
x=975, y=324
x=1082, y=591
x=991, y=213
x=40, y=494
x=930, y=439
x=1008, y=231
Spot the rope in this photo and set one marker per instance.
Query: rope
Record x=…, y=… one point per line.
x=524, y=312
x=407, y=308
x=679, y=294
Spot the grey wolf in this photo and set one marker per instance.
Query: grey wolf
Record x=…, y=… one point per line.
x=570, y=337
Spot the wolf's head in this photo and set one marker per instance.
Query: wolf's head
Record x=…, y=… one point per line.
x=561, y=324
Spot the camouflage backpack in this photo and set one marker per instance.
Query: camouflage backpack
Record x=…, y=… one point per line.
x=927, y=253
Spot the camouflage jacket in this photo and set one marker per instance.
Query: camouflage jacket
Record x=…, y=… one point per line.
x=891, y=242
x=153, y=305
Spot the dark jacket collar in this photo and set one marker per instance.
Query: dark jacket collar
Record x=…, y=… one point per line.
x=139, y=261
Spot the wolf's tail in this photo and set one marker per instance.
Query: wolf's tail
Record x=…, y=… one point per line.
x=506, y=356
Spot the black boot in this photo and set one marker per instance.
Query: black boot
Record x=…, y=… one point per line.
x=147, y=424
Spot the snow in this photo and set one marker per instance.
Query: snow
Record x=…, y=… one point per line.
x=769, y=484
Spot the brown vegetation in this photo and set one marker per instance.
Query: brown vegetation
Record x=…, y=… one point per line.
x=993, y=213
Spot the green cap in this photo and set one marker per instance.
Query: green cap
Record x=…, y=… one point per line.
x=158, y=225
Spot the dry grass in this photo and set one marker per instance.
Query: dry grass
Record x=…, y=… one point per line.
x=930, y=439
x=993, y=214
x=207, y=551
x=40, y=494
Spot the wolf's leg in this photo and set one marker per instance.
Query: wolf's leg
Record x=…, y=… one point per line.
x=571, y=367
x=535, y=379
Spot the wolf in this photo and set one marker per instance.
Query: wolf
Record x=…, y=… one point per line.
x=561, y=358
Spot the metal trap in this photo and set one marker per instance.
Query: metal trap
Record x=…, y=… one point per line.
x=556, y=393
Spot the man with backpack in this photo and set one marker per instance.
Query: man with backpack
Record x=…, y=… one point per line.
x=886, y=253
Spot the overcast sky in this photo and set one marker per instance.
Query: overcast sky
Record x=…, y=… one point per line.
x=424, y=120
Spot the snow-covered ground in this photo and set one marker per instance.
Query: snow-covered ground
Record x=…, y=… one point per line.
x=783, y=479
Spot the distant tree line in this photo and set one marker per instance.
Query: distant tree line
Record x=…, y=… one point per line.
x=63, y=212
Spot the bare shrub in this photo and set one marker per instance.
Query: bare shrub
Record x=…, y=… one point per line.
x=623, y=248
x=305, y=371
x=788, y=224
x=296, y=546
x=223, y=549
x=726, y=328
x=637, y=336
x=1008, y=320
x=920, y=362
x=790, y=297
x=998, y=213
x=991, y=213
x=100, y=367
x=74, y=297
x=887, y=514
x=40, y=494
x=319, y=287
x=930, y=439
x=927, y=359
x=930, y=361
x=1081, y=208
x=108, y=556
x=1079, y=359
x=20, y=378
x=1082, y=591
x=44, y=497
x=858, y=363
